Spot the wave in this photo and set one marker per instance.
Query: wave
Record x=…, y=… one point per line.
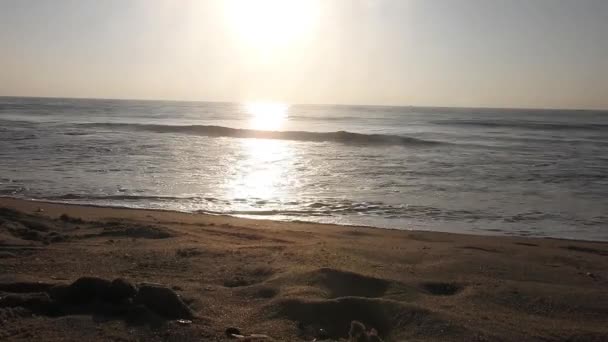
x=306, y=210
x=220, y=131
x=566, y=126
x=125, y=197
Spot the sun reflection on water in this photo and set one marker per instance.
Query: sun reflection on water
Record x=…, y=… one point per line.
x=263, y=170
x=267, y=116
x=262, y=166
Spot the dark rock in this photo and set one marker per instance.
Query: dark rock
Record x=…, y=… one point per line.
x=163, y=301
x=87, y=289
x=232, y=331
x=140, y=314
x=59, y=293
x=121, y=290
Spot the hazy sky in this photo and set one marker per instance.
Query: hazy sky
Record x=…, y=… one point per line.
x=498, y=53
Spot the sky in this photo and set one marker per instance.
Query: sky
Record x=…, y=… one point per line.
x=467, y=53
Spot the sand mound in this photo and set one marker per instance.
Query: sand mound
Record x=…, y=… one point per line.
x=41, y=229
x=121, y=229
x=30, y=227
x=343, y=284
x=249, y=276
x=392, y=320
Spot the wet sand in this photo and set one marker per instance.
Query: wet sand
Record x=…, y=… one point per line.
x=292, y=281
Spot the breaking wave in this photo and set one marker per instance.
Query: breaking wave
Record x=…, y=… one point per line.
x=529, y=125
x=220, y=131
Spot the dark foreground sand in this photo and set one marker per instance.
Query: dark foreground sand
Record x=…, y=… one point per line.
x=289, y=280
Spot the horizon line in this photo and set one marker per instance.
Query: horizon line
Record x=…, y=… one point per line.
x=317, y=104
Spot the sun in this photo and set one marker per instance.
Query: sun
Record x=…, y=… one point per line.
x=268, y=24
x=266, y=116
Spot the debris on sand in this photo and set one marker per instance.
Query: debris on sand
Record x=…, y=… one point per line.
x=235, y=333
x=232, y=331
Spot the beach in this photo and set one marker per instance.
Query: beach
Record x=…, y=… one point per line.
x=293, y=281
x=288, y=170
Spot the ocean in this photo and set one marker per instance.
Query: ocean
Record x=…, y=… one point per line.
x=520, y=172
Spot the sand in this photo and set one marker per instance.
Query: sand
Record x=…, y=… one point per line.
x=294, y=281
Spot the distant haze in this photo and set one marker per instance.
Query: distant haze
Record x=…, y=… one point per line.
x=488, y=53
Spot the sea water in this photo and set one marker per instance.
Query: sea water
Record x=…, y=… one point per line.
x=541, y=173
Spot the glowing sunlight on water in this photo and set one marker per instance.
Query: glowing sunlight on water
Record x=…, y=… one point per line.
x=263, y=171
x=267, y=116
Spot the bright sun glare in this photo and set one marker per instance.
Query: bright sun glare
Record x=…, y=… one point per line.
x=267, y=24
x=266, y=115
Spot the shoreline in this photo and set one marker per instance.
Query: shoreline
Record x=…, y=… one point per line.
x=291, y=280
x=295, y=221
